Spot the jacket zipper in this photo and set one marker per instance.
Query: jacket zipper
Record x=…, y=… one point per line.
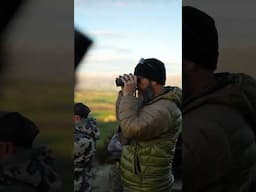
x=137, y=168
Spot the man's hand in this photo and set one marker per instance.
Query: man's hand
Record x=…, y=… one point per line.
x=130, y=84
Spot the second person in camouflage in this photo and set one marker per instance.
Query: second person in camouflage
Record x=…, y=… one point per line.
x=85, y=135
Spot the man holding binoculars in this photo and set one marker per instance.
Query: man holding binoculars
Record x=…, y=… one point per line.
x=151, y=123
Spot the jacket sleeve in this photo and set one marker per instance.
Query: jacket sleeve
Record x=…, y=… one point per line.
x=118, y=103
x=96, y=130
x=149, y=122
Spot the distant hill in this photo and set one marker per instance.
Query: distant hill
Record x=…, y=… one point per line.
x=101, y=81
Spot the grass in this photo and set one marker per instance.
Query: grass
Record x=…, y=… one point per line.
x=101, y=103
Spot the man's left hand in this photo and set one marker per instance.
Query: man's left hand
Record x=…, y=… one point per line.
x=130, y=84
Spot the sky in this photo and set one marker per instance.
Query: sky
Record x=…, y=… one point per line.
x=124, y=31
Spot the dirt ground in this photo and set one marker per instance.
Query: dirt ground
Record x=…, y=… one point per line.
x=102, y=178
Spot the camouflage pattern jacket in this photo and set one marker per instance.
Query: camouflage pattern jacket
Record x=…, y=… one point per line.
x=29, y=171
x=85, y=134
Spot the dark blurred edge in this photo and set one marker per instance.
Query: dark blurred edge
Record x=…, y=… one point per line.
x=8, y=10
x=46, y=100
x=237, y=41
x=82, y=44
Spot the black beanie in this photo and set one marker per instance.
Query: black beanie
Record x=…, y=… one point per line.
x=152, y=69
x=199, y=38
x=81, y=110
x=17, y=129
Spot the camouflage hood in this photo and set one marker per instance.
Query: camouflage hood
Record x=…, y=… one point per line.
x=32, y=168
x=171, y=93
x=85, y=127
x=234, y=90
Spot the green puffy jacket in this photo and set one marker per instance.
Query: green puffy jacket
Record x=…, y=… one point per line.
x=146, y=161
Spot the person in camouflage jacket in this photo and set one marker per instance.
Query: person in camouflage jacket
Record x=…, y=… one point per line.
x=85, y=135
x=24, y=168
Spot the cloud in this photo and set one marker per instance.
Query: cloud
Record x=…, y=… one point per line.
x=122, y=3
x=105, y=57
x=112, y=3
x=106, y=33
x=119, y=49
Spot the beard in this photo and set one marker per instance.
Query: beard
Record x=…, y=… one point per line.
x=146, y=95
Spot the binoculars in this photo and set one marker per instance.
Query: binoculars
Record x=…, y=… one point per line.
x=119, y=82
